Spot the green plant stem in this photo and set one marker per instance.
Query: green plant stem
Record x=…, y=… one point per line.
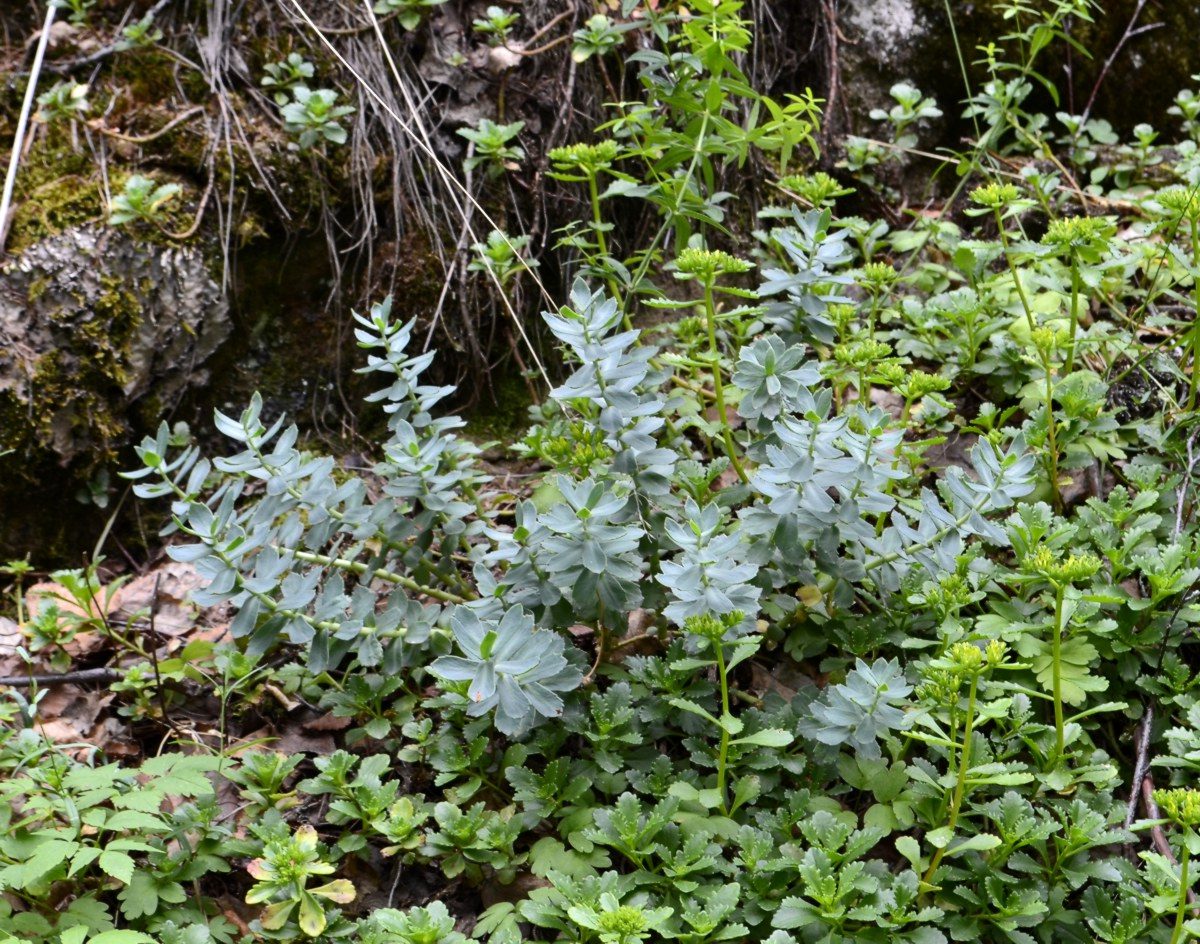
x=1012, y=268
x=722, y=757
x=1074, y=313
x=1051, y=435
x=1056, y=669
x=1181, y=907
x=602, y=246
x=356, y=567
x=710, y=317
x=1194, y=380
x=960, y=784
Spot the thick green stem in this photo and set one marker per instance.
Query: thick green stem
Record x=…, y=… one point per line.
x=960, y=784
x=1195, y=377
x=1074, y=313
x=710, y=317
x=1056, y=669
x=1051, y=435
x=1012, y=268
x=602, y=248
x=724, y=749
x=355, y=567
x=1181, y=907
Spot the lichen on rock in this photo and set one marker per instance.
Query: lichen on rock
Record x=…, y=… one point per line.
x=92, y=322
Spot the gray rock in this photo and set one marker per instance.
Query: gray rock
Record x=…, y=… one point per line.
x=94, y=324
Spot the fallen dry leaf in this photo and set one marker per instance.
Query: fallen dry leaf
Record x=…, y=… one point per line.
x=327, y=722
x=111, y=735
x=11, y=639
x=782, y=678
x=174, y=614
x=42, y=596
x=293, y=741
x=69, y=712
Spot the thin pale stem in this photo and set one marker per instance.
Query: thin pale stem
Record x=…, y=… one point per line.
x=710, y=317
x=356, y=567
x=602, y=247
x=960, y=785
x=1177, y=934
x=1012, y=268
x=722, y=757
x=1074, y=312
x=1056, y=669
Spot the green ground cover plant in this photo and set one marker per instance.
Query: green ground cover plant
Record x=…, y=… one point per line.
x=852, y=599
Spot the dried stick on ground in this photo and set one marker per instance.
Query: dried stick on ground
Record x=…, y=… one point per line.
x=62, y=678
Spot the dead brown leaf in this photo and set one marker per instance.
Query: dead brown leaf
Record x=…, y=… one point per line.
x=292, y=741
x=782, y=678
x=111, y=735
x=68, y=713
x=41, y=596
x=11, y=639
x=174, y=614
x=327, y=722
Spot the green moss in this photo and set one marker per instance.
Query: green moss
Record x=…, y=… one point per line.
x=53, y=207
x=85, y=375
x=503, y=413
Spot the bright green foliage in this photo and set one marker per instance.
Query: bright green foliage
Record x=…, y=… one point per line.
x=64, y=101
x=496, y=24
x=492, y=147
x=851, y=554
x=286, y=75
x=314, y=117
x=141, y=199
x=140, y=33
x=502, y=256
x=281, y=877
x=408, y=12
x=77, y=10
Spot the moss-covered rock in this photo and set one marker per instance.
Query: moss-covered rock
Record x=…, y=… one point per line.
x=886, y=41
x=94, y=323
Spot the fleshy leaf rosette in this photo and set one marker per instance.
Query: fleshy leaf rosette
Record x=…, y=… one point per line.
x=512, y=667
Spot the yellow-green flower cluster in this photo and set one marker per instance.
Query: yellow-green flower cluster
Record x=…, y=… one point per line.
x=1179, y=805
x=995, y=195
x=967, y=658
x=712, y=627
x=915, y=384
x=1180, y=202
x=877, y=276
x=1061, y=571
x=623, y=923
x=706, y=264
x=861, y=354
x=586, y=158
x=1077, y=233
x=815, y=189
